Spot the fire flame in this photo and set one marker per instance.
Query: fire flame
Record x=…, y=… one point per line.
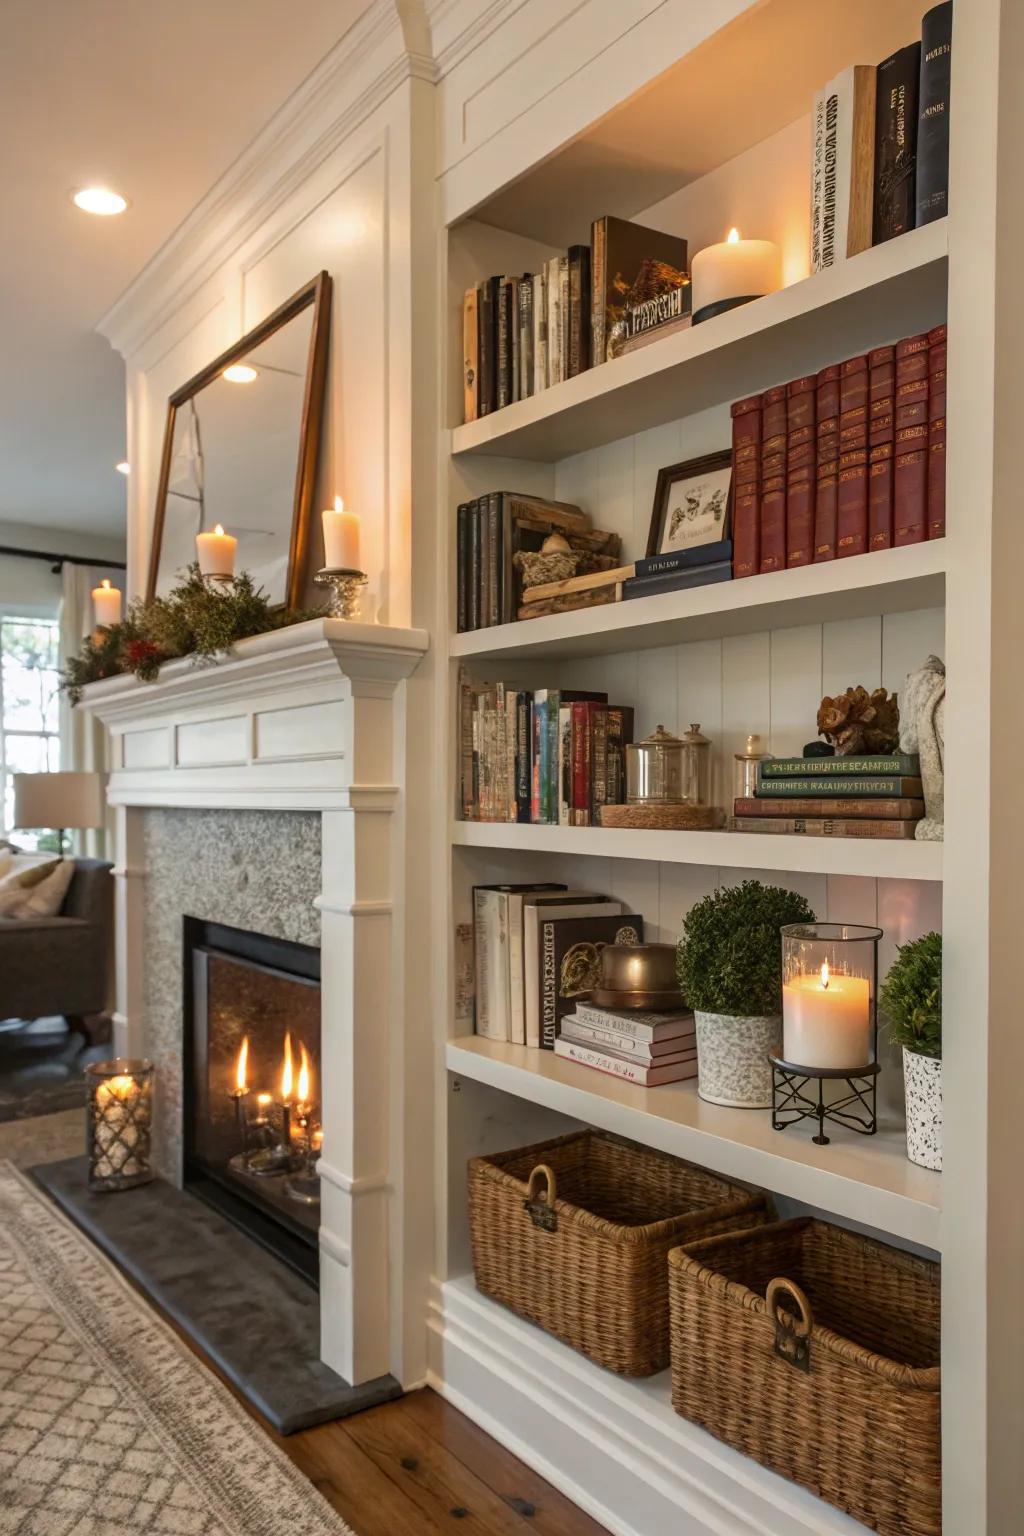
x=824, y=973
x=339, y=505
x=241, y=1084
x=286, y=1071
x=219, y=531
x=304, y=1077
x=733, y=237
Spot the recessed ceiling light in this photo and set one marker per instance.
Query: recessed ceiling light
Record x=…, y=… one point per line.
x=239, y=373
x=124, y=468
x=99, y=200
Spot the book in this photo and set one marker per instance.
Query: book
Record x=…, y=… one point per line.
x=524, y=296
x=631, y=263
x=556, y=349
x=473, y=566
x=746, y=486
x=462, y=566
x=936, y=496
x=585, y=714
x=508, y=325
x=464, y=984
x=677, y=581
x=490, y=956
x=821, y=826
x=569, y=950
x=910, y=448
x=881, y=436
x=839, y=806
x=628, y=1047
x=827, y=472
x=636, y=1023
x=540, y=331
x=578, y=260
x=773, y=479
x=554, y=904
x=852, y=480
x=470, y=354
x=620, y=735
x=839, y=767
x=487, y=346
x=883, y=785
x=632, y=1071
x=639, y=334
x=801, y=468
x=932, y=188
x=684, y=559
x=896, y=102
x=842, y=166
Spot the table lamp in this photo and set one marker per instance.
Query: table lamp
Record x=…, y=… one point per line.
x=62, y=801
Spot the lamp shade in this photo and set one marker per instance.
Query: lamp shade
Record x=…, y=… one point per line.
x=62, y=800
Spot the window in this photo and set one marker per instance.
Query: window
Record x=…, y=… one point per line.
x=29, y=712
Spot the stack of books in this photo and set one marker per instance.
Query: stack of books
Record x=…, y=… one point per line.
x=645, y=1048
x=842, y=462
x=877, y=797
x=549, y=756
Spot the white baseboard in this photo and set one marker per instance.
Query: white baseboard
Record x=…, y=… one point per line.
x=613, y=1446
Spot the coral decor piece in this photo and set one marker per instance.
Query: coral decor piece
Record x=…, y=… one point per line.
x=858, y=722
x=198, y=618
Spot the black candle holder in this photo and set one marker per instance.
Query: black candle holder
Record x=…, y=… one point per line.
x=791, y=1102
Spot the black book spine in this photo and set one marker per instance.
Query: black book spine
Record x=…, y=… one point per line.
x=896, y=143
x=525, y=336
x=579, y=309
x=933, y=116
x=488, y=322
x=522, y=757
x=494, y=558
x=474, y=585
x=462, y=567
x=504, y=364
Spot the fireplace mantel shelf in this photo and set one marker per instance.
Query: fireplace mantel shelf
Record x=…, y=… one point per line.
x=273, y=724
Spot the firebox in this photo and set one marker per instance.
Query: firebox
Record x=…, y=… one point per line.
x=252, y=1080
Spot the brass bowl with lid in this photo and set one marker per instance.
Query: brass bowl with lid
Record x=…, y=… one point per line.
x=638, y=976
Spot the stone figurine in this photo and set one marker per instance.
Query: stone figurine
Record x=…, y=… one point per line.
x=922, y=730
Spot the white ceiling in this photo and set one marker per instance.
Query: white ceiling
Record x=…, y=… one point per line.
x=155, y=101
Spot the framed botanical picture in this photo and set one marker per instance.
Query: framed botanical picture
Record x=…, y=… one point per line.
x=691, y=504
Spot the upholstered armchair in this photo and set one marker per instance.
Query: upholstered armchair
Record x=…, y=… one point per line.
x=61, y=965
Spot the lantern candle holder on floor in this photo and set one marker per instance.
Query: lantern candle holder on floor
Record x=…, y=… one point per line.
x=829, y=1028
x=120, y=1120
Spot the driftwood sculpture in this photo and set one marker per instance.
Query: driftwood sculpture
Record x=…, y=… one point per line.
x=857, y=721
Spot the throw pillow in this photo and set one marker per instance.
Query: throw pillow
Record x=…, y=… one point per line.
x=46, y=895
x=35, y=880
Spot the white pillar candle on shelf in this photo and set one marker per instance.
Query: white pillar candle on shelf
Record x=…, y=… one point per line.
x=106, y=604
x=216, y=552
x=732, y=272
x=826, y=1020
x=341, y=538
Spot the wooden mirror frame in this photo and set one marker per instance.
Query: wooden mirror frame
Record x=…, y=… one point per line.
x=318, y=294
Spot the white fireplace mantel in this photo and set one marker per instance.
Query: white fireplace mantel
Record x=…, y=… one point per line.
x=308, y=718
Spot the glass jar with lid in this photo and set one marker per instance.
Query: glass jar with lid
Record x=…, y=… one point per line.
x=746, y=765
x=665, y=769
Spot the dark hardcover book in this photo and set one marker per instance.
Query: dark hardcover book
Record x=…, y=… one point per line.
x=684, y=559
x=488, y=345
x=620, y=735
x=840, y=767
x=507, y=326
x=848, y=805
x=827, y=470
x=631, y=264
x=881, y=423
x=493, y=569
x=801, y=466
x=462, y=569
x=570, y=949
x=746, y=485
x=882, y=786
x=475, y=561
x=937, y=432
x=852, y=478
x=820, y=826
x=580, y=308
x=662, y=315
x=676, y=581
x=773, y=479
x=896, y=101
x=933, y=114
x=522, y=760
x=910, y=448
x=525, y=295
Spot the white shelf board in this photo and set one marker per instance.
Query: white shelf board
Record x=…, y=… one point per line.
x=865, y=1179
x=886, y=581
x=889, y=291
x=615, y=1446
x=718, y=850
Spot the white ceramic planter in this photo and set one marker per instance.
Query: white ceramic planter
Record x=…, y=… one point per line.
x=732, y=1058
x=922, y=1078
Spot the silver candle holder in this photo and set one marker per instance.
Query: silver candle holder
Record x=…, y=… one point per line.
x=346, y=590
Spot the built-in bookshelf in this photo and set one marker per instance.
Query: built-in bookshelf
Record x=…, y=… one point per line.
x=743, y=656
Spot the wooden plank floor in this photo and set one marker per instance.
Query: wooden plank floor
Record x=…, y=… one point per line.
x=418, y=1467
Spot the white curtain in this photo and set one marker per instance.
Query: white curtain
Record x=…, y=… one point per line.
x=83, y=740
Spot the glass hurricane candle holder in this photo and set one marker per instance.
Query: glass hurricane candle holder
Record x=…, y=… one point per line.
x=120, y=1120
x=829, y=1028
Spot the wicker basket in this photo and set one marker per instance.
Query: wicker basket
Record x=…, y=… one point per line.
x=573, y=1234
x=816, y=1351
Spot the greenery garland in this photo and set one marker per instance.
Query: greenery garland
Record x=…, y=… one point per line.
x=197, y=618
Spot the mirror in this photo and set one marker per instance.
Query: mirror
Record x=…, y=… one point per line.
x=240, y=449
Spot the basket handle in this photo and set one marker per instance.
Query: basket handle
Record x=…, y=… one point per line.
x=542, y=1211
x=792, y=1332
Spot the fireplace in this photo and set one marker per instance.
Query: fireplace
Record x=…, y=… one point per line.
x=252, y=1075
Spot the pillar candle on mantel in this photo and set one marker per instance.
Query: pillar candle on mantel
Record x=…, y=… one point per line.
x=826, y=1020
x=216, y=552
x=341, y=538
x=106, y=604
x=732, y=272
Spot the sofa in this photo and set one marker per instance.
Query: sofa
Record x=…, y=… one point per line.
x=61, y=965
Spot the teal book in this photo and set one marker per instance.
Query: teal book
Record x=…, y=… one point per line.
x=840, y=767
x=864, y=787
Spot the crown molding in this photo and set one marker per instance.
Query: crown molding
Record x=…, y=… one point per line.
x=457, y=27
x=383, y=49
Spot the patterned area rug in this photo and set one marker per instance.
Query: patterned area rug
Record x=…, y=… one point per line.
x=108, y=1424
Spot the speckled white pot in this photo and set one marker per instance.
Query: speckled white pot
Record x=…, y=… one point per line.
x=922, y=1077
x=732, y=1058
